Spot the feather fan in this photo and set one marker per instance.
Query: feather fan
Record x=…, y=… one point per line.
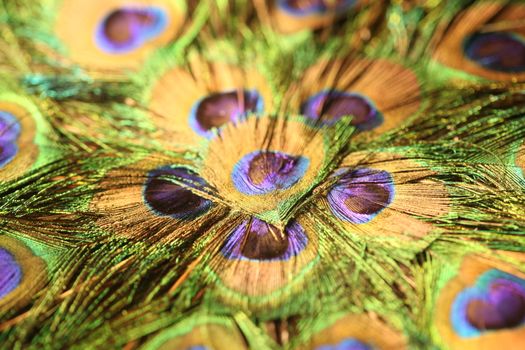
x=285, y=174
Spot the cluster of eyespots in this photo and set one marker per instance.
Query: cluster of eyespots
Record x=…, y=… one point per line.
x=328, y=107
x=346, y=344
x=499, y=51
x=255, y=239
x=10, y=273
x=9, y=133
x=217, y=109
x=496, y=301
x=360, y=194
x=262, y=172
x=305, y=7
x=167, y=192
x=126, y=29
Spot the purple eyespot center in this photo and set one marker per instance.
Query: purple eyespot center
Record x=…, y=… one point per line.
x=255, y=239
x=262, y=172
x=495, y=302
x=168, y=192
x=217, y=109
x=9, y=132
x=126, y=29
x=346, y=344
x=499, y=51
x=9, y=127
x=503, y=307
x=359, y=195
x=10, y=273
x=305, y=7
x=328, y=107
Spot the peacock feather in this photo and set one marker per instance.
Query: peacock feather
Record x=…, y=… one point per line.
x=285, y=174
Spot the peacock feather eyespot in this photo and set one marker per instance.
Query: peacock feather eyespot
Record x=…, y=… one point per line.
x=9, y=126
x=359, y=195
x=10, y=273
x=356, y=332
x=265, y=176
x=219, y=108
x=131, y=197
x=257, y=240
x=9, y=133
x=194, y=106
x=127, y=28
x=499, y=51
x=8, y=151
x=329, y=106
x=116, y=35
x=483, y=305
x=263, y=172
x=255, y=250
x=295, y=15
x=346, y=344
x=383, y=195
x=486, y=40
x=379, y=94
x=22, y=273
x=495, y=302
x=19, y=148
x=167, y=198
